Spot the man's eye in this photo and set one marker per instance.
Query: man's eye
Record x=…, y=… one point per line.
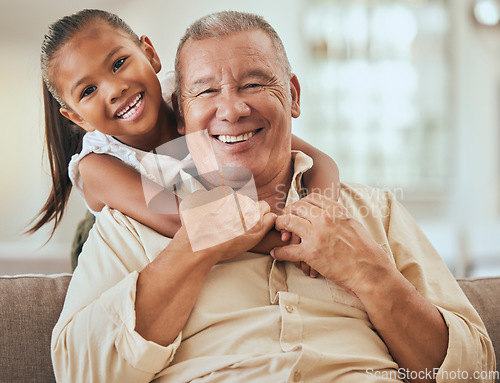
x=252, y=86
x=118, y=64
x=88, y=91
x=207, y=91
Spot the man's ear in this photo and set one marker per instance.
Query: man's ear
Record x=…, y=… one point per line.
x=76, y=119
x=181, y=127
x=150, y=52
x=295, y=92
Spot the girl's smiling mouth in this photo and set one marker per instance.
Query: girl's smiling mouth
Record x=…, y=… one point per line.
x=132, y=109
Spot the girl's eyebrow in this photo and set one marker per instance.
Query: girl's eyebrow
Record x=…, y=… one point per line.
x=77, y=84
x=113, y=52
x=107, y=58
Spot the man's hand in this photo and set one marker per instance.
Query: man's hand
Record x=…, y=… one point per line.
x=295, y=240
x=333, y=243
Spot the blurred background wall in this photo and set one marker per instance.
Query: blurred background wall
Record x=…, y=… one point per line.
x=403, y=94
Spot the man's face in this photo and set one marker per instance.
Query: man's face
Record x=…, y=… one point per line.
x=235, y=89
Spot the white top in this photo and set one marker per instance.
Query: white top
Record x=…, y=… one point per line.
x=159, y=168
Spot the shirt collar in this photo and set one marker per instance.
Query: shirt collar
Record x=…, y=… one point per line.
x=301, y=163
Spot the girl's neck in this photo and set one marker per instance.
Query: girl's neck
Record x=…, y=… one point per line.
x=164, y=130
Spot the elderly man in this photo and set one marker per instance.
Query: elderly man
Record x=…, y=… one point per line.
x=385, y=308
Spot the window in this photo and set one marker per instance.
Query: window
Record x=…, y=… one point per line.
x=376, y=90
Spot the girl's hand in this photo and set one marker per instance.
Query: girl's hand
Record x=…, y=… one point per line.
x=223, y=223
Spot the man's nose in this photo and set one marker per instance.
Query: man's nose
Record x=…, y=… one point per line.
x=231, y=107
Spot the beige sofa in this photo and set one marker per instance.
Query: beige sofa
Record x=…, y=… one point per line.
x=30, y=306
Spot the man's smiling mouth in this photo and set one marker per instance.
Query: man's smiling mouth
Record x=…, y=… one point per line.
x=235, y=139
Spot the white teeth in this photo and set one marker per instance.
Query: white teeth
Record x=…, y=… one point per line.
x=241, y=137
x=131, y=108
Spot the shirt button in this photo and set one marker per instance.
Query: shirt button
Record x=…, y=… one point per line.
x=290, y=309
x=297, y=376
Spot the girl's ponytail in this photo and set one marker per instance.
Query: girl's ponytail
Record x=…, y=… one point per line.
x=64, y=139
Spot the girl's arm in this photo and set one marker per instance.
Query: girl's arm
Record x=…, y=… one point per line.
x=323, y=177
x=109, y=181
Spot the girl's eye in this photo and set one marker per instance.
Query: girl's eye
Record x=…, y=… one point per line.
x=88, y=91
x=118, y=64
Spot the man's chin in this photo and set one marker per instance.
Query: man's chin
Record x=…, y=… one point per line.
x=235, y=177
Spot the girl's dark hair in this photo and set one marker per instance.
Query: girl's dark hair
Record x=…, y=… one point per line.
x=63, y=138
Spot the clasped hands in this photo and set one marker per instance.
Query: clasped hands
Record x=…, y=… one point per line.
x=332, y=243
x=326, y=239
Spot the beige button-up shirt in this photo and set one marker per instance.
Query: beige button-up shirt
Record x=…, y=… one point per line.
x=256, y=319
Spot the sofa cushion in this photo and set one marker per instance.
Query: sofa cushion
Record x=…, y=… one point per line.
x=484, y=295
x=29, y=308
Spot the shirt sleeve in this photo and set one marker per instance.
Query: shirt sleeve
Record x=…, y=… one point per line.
x=470, y=351
x=99, y=143
x=95, y=338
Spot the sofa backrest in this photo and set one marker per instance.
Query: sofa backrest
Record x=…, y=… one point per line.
x=30, y=306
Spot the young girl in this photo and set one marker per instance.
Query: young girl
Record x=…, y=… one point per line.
x=104, y=101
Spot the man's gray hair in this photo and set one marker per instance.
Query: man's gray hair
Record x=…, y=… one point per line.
x=222, y=24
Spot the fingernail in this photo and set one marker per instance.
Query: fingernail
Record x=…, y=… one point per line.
x=272, y=253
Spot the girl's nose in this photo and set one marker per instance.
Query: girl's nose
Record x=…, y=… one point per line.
x=115, y=90
x=231, y=107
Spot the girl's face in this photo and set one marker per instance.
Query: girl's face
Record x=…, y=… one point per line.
x=109, y=83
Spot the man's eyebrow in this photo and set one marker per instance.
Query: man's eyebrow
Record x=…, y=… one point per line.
x=257, y=74
x=202, y=81
x=107, y=58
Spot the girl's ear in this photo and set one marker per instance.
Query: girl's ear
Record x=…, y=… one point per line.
x=150, y=52
x=75, y=118
x=295, y=92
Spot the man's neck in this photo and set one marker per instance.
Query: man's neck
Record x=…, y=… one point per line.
x=275, y=191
